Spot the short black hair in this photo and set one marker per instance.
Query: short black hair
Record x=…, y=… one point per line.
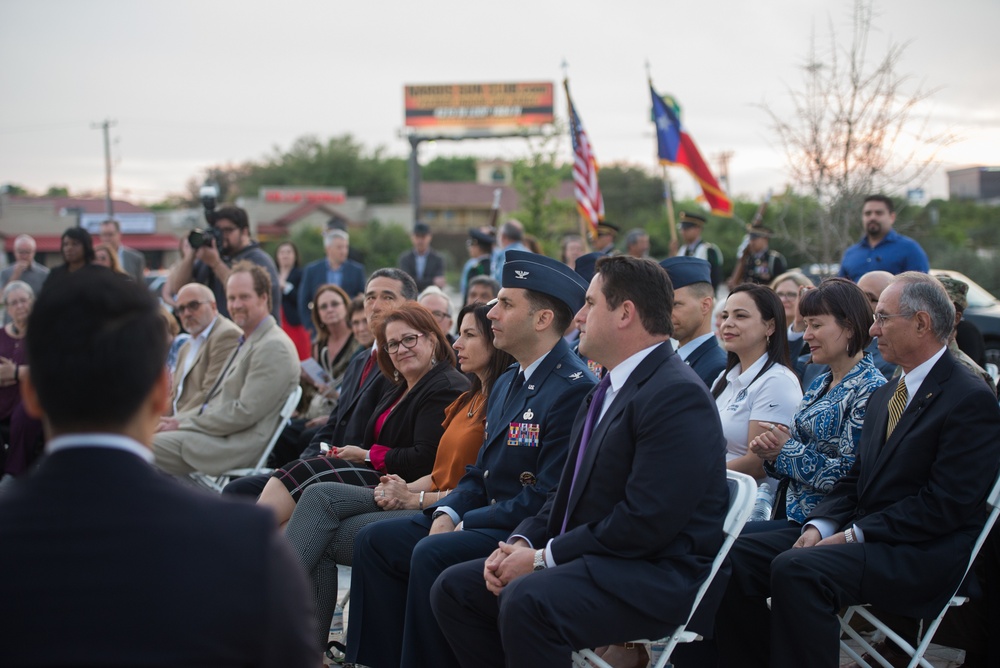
x=881, y=198
x=95, y=332
x=409, y=285
x=644, y=283
x=562, y=315
x=847, y=304
x=235, y=214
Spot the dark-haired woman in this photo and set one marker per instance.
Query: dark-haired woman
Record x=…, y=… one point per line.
x=758, y=385
x=402, y=434
x=77, y=249
x=286, y=259
x=329, y=515
x=820, y=447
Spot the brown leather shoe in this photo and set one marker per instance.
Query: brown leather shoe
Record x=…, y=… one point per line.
x=889, y=650
x=629, y=655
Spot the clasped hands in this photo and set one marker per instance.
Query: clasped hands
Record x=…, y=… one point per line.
x=392, y=493
x=508, y=561
x=768, y=444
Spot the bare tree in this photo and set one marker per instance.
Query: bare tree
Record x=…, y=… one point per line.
x=856, y=129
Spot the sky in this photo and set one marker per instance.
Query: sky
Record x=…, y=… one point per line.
x=191, y=84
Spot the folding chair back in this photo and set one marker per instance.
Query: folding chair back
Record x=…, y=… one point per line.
x=742, y=494
x=917, y=653
x=216, y=483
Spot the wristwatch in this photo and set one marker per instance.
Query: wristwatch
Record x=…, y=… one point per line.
x=539, y=560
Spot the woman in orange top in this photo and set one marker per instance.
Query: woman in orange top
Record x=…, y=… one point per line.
x=329, y=515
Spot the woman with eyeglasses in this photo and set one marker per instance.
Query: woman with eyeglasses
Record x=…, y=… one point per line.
x=789, y=287
x=332, y=350
x=20, y=431
x=402, y=434
x=329, y=515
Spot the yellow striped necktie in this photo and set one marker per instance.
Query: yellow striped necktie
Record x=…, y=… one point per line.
x=896, y=406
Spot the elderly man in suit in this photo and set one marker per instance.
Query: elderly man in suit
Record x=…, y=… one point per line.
x=529, y=418
x=897, y=531
x=108, y=553
x=620, y=548
x=694, y=300
x=232, y=426
x=335, y=268
x=24, y=267
x=202, y=358
x=422, y=262
x=132, y=261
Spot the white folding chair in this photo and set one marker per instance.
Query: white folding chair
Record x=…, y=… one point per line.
x=216, y=483
x=742, y=494
x=916, y=653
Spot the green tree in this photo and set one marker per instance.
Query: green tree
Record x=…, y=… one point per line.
x=537, y=179
x=57, y=191
x=14, y=190
x=461, y=169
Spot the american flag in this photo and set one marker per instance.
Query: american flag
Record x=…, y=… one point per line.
x=589, y=201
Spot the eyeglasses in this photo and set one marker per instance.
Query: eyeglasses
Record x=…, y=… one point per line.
x=408, y=342
x=329, y=305
x=190, y=306
x=880, y=318
x=787, y=296
x=440, y=315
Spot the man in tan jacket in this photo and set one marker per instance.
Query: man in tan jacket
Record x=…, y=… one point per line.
x=241, y=412
x=202, y=358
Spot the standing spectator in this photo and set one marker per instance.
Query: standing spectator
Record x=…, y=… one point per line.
x=25, y=268
x=335, y=268
x=691, y=226
x=286, y=258
x=480, y=246
x=131, y=261
x=209, y=265
x=511, y=237
x=606, y=236
x=105, y=256
x=572, y=247
x=77, y=253
x=882, y=248
x=422, y=262
x=637, y=243
x=761, y=265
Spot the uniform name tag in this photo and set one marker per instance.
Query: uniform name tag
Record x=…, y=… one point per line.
x=523, y=434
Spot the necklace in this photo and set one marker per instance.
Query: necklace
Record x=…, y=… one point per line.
x=473, y=408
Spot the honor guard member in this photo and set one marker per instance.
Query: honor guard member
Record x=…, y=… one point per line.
x=692, y=316
x=761, y=264
x=691, y=226
x=606, y=235
x=529, y=417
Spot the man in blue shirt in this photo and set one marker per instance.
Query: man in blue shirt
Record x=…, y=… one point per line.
x=882, y=248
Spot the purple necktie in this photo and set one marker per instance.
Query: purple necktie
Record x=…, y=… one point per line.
x=593, y=413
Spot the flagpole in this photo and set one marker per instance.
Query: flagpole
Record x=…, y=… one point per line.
x=668, y=196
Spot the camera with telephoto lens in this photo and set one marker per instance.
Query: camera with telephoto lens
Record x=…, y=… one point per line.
x=208, y=194
x=210, y=237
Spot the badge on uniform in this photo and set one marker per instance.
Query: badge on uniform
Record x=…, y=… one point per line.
x=527, y=478
x=528, y=414
x=523, y=434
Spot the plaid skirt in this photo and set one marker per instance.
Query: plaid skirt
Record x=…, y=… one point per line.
x=304, y=472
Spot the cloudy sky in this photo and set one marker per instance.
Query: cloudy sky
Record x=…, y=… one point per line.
x=197, y=83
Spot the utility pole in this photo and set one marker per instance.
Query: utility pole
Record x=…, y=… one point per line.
x=107, y=125
x=724, y=157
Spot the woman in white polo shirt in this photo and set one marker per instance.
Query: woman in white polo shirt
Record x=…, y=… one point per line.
x=758, y=384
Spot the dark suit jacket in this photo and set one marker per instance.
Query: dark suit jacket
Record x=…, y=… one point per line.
x=919, y=497
x=290, y=299
x=510, y=478
x=127, y=567
x=708, y=360
x=134, y=263
x=413, y=429
x=432, y=269
x=650, y=498
x=314, y=275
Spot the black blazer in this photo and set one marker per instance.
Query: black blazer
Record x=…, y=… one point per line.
x=110, y=556
x=290, y=299
x=432, y=269
x=919, y=498
x=413, y=429
x=647, y=507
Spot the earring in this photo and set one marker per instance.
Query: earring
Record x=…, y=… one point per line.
x=434, y=360
x=768, y=339
x=395, y=375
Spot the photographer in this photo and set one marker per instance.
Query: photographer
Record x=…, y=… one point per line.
x=207, y=256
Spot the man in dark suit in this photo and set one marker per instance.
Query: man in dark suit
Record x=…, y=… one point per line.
x=119, y=562
x=529, y=418
x=422, y=262
x=694, y=300
x=335, y=268
x=132, y=261
x=363, y=385
x=620, y=548
x=897, y=531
